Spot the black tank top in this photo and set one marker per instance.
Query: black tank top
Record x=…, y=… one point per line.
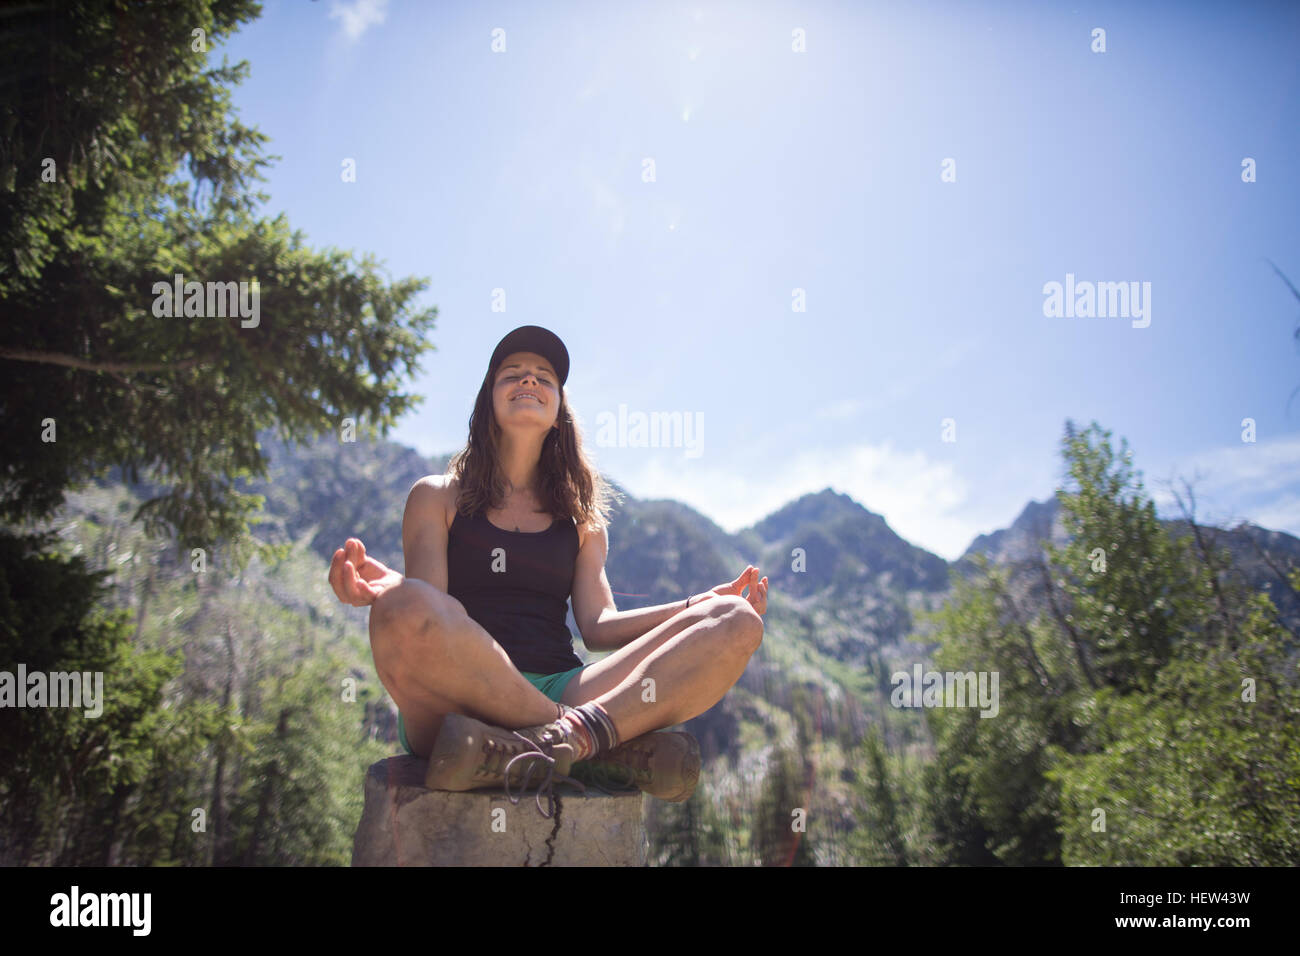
x=516, y=584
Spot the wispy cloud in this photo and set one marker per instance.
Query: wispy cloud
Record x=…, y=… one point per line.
x=923, y=500
x=928, y=503
x=358, y=16
x=1283, y=514
x=1254, y=481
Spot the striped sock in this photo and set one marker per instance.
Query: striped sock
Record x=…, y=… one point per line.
x=592, y=728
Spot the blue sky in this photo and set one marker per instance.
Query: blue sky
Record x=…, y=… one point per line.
x=853, y=212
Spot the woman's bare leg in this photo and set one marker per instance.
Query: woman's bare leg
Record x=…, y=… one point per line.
x=692, y=660
x=435, y=659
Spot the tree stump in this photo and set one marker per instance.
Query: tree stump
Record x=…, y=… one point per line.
x=406, y=824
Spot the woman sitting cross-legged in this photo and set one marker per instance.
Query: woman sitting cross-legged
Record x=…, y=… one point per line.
x=472, y=642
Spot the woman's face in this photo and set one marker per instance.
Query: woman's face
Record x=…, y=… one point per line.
x=519, y=375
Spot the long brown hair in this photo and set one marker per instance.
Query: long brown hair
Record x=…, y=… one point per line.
x=571, y=486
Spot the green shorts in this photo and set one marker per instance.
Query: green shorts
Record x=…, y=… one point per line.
x=552, y=685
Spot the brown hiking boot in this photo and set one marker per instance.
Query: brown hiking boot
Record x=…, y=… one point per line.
x=470, y=754
x=664, y=764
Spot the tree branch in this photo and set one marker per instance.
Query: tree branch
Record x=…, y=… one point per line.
x=1073, y=636
x=1035, y=664
x=1206, y=552
x=71, y=361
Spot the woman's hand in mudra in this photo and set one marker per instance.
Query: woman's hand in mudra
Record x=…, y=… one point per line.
x=358, y=579
x=757, y=595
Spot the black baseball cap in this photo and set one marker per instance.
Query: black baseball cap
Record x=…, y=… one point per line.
x=533, y=338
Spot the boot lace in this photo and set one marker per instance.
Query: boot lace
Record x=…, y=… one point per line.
x=535, y=757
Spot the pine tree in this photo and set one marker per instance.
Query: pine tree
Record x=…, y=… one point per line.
x=122, y=166
x=879, y=838
x=1122, y=695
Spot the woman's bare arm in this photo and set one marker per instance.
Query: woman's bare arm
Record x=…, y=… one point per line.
x=424, y=531
x=602, y=625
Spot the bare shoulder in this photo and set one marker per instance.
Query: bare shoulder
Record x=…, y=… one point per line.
x=444, y=490
x=599, y=537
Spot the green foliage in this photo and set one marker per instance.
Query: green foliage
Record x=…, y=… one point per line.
x=953, y=815
x=1130, y=589
x=992, y=799
x=779, y=839
x=198, y=671
x=690, y=833
x=122, y=165
x=298, y=802
x=67, y=774
x=1122, y=694
x=1194, y=773
x=152, y=178
x=879, y=839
